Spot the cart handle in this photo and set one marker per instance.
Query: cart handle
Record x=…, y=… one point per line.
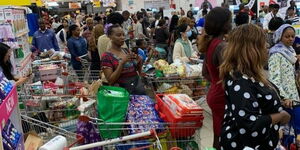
x=116, y=140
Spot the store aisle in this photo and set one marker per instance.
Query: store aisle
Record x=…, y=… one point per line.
x=206, y=132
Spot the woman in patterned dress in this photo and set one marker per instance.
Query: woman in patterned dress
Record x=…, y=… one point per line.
x=253, y=111
x=282, y=64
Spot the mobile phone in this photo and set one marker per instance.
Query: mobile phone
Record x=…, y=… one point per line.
x=29, y=75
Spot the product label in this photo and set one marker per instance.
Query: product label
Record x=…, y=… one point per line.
x=8, y=105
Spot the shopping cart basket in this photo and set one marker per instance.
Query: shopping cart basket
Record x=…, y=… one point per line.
x=47, y=131
x=140, y=140
x=113, y=143
x=61, y=111
x=195, y=87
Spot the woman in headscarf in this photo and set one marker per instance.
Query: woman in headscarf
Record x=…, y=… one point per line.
x=282, y=60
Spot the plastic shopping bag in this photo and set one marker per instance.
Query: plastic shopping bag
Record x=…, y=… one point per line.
x=112, y=107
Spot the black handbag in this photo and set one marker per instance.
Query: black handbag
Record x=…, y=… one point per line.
x=134, y=86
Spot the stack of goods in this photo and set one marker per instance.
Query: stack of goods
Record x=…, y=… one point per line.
x=5, y=87
x=48, y=72
x=142, y=113
x=50, y=88
x=183, y=114
x=11, y=137
x=63, y=110
x=177, y=69
x=194, y=88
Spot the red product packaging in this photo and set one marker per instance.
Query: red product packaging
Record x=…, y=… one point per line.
x=182, y=104
x=180, y=126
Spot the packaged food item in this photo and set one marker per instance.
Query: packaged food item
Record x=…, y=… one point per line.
x=172, y=90
x=11, y=136
x=170, y=71
x=164, y=87
x=180, y=126
x=48, y=72
x=193, y=70
x=160, y=64
x=182, y=104
x=142, y=113
x=186, y=90
x=181, y=70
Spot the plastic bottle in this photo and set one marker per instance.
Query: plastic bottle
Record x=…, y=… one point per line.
x=57, y=143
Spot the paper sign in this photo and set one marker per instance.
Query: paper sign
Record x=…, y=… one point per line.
x=74, y=5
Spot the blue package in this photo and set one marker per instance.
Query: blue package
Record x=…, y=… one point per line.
x=141, y=111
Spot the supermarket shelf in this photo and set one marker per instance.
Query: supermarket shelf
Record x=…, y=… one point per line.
x=22, y=33
x=7, y=106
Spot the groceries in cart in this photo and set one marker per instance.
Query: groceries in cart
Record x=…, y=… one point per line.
x=183, y=115
x=177, y=69
x=48, y=72
x=52, y=55
x=44, y=136
x=195, y=87
x=142, y=115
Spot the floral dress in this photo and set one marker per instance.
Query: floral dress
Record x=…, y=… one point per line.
x=247, y=120
x=282, y=74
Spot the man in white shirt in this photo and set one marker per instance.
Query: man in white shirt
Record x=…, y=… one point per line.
x=274, y=13
x=200, y=12
x=127, y=26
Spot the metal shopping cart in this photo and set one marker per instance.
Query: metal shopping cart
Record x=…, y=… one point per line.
x=187, y=135
x=55, y=104
x=195, y=87
x=171, y=134
x=48, y=131
x=125, y=142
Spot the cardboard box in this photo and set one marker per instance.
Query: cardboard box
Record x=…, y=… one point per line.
x=33, y=142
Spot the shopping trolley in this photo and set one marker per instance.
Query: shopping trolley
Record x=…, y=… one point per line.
x=47, y=131
x=112, y=143
x=144, y=139
x=56, y=104
x=195, y=87
x=170, y=134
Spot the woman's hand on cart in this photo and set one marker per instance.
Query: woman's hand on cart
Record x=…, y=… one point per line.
x=78, y=58
x=287, y=103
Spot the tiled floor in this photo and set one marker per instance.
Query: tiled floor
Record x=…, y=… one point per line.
x=206, y=132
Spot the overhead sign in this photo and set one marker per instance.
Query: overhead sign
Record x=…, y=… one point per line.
x=74, y=5
x=15, y=2
x=109, y=3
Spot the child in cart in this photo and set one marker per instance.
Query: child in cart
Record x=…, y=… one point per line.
x=144, y=51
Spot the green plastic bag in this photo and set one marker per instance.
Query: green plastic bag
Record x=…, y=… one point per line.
x=112, y=108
